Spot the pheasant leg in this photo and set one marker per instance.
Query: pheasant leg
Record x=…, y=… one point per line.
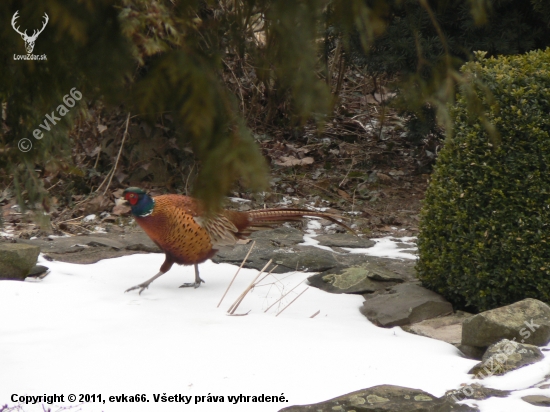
x=197, y=282
x=144, y=285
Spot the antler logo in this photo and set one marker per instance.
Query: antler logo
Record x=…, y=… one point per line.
x=29, y=40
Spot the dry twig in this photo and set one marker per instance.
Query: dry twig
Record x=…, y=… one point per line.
x=236, y=304
x=291, y=302
x=238, y=270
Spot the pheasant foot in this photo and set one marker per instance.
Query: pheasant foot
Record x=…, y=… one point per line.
x=141, y=287
x=194, y=284
x=144, y=285
x=197, y=281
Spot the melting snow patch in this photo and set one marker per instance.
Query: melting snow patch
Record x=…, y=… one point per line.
x=89, y=218
x=239, y=200
x=387, y=247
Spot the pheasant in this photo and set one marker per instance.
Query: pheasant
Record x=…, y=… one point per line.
x=180, y=228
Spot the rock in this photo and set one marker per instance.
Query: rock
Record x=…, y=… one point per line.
x=280, y=237
x=17, y=260
x=38, y=271
x=506, y=356
x=385, y=276
x=344, y=240
x=354, y=279
x=471, y=352
x=308, y=259
x=105, y=242
x=537, y=400
x=282, y=245
x=405, y=304
x=447, y=328
x=385, y=398
x=86, y=249
x=475, y=391
x=527, y=321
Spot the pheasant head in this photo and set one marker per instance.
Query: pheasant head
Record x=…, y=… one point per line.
x=142, y=204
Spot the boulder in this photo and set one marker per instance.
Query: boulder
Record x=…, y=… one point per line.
x=385, y=398
x=354, y=279
x=17, y=260
x=471, y=352
x=526, y=321
x=405, y=304
x=506, y=356
x=446, y=328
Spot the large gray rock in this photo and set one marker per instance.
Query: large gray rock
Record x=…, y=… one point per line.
x=355, y=279
x=17, y=260
x=506, y=356
x=447, y=328
x=385, y=398
x=527, y=321
x=405, y=304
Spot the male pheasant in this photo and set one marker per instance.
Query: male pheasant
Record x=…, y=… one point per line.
x=179, y=227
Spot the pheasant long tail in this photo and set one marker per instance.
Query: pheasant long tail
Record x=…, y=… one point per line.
x=269, y=217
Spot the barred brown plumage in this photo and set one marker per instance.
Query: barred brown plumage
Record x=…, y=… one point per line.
x=182, y=230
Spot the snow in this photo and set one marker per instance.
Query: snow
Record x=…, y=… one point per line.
x=6, y=233
x=77, y=332
x=387, y=247
x=239, y=200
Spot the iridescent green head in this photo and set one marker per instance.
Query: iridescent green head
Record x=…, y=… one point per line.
x=142, y=204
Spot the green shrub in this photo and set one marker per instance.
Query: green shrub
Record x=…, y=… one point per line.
x=485, y=227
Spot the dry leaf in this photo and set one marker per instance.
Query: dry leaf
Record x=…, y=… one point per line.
x=121, y=210
x=383, y=177
x=101, y=128
x=292, y=161
x=344, y=194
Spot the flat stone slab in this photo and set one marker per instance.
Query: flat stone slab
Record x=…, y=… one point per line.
x=358, y=279
x=526, y=321
x=506, y=356
x=87, y=249
x=344, y=240
x=405, y=304
x=385, y=398
x=17, y=260
x=283, y=246
x=447, y=328
x=475, y=391
x=537, y=400
x=347, y=280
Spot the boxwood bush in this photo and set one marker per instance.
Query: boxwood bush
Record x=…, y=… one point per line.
x=485, y=225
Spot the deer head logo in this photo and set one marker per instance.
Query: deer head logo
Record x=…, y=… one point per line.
x=29, y=40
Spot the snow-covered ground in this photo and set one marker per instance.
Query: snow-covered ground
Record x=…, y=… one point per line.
x=77, y=332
